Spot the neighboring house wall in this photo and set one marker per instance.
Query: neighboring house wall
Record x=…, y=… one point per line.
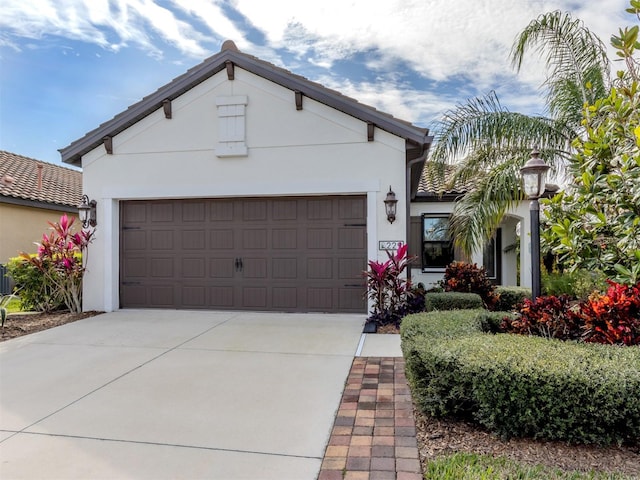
x=316, y=151
x=21, y=227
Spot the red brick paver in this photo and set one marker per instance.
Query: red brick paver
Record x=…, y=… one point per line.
x=374, y=434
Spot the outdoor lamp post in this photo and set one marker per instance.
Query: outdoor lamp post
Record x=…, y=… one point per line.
x=533, y=180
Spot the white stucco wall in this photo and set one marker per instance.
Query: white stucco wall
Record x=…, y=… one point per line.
x=509, y=259
x=315, y=151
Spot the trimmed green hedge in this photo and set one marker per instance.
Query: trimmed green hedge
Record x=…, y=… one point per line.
x=519, y=386
x=510, y=297
x=452, y=301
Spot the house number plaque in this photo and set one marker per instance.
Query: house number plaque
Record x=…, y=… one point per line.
x=389, y=244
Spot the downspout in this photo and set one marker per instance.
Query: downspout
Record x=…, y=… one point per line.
x=411, y=163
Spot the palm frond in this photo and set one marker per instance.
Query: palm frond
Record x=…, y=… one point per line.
x=478, y=214
x=571, y=51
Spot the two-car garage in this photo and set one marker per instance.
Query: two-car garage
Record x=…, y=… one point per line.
x=297, y=254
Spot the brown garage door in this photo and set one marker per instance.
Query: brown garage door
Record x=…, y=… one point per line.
x=283, y=254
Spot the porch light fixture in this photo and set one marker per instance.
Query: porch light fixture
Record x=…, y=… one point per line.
x=534, y=175
x=87, y=212
x=390, y=203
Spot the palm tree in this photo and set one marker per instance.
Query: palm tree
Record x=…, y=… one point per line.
x=489, y=144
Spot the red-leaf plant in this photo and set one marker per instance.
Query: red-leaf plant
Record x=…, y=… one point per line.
x=60, y=259
x=387, y=287
x=612, y=318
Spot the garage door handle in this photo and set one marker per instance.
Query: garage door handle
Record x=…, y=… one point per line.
x=239, y=265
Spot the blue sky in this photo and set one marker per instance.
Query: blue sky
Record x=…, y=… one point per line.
x=67, y=66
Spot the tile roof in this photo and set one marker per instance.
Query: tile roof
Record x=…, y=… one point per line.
x=19, y=179
x=433, y=184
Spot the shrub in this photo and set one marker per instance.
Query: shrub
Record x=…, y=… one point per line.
x=510, y=297
x=452, y=301
x=465, y=277
x=545, y=317
x=390, y=292
x=522, y=386
x=612, y=318
x=577, y=284
x=35, y=291
x=59, y=260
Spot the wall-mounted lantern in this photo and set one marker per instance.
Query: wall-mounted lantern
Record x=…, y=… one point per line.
x=390, y=203
x=87, y=212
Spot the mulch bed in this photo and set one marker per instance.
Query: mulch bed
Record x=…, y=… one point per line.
x=19, y=324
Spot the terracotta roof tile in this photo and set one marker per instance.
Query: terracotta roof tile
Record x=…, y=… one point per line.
x=19, y=179
x=431, y=184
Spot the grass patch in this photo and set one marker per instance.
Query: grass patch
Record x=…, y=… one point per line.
x=14, y=306
x=468, y=466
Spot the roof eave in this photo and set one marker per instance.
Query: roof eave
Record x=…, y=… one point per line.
x=72, y=154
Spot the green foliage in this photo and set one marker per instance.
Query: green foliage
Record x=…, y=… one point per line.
x=577, y=284
x=522, y=386
x=595, y=223
x=510, y=297
x=466, y=277
x=5, y=301
x=59, y=260
x=452, y=301
x=471, y=466
x=36, y=292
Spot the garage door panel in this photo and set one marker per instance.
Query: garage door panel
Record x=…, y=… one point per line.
x=194, y=239
x=194, y=267
x=162, y=239
x=254, y=268
x=285, y=298
x=284, y=239
x=284, y=268
x=319, y=268
x=162, y=267
x=162, y=295
x=221, y=239
x=193, y=211
x=134, y=240
x=254, y=210
x=194, y=297
x=221, y=268
x=162, y=212
x=351, y=268
x=221, y=297
x=286, y=254
x=320, y=238
x=254, y=297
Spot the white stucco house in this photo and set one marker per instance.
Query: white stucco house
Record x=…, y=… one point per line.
x=240, y=185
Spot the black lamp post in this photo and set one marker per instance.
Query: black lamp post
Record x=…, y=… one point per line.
x=533, y=180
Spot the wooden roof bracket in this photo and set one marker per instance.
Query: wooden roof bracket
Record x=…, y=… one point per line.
x=108, y=144
x=230, y=69
x=166, y=106
x=298, y=99
x=371, y=127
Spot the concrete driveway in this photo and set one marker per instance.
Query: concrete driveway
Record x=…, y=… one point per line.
x=168, y=394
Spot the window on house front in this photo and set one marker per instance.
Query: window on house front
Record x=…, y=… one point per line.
x=437, y=248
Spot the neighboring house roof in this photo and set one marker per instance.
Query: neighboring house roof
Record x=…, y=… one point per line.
x=417, y=139
x=30, y=182
x=433, y=184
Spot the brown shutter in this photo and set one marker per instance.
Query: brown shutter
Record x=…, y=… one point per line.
x=415, y=241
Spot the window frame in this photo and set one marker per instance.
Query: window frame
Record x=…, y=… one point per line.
x=423, y=241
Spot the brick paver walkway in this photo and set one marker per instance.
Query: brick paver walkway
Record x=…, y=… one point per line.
x=374, y=434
